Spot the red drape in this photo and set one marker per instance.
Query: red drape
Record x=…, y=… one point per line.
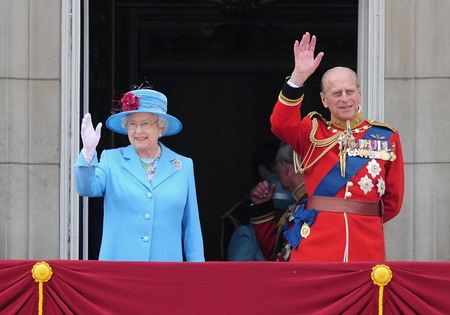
x=99, y=287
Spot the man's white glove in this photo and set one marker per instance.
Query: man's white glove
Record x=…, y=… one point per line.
x=90, y=137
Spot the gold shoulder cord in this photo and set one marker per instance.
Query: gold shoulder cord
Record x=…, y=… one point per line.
x=302, y=166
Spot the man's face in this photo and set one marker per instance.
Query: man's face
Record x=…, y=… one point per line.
x=341, y=94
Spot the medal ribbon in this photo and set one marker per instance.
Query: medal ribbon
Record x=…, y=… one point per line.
x=330, y=185
x=300, y=216
x=333, y=181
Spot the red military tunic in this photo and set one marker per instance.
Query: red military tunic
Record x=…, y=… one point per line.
x=269, y=230
x=340, y=236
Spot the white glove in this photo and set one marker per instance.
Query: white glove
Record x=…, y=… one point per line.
x=90, y=137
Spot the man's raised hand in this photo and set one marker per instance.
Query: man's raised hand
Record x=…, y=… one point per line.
x=305, y=62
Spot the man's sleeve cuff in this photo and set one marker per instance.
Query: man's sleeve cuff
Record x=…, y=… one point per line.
x=263, y=218
x=290, y=95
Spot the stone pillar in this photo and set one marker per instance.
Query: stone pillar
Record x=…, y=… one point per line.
x=417, y=98
x=29, y=128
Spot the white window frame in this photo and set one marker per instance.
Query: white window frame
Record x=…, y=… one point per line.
x=371, y=36
x=70, y=117
x=371, y=54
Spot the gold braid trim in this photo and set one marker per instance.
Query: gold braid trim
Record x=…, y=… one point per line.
x=263, y=218
x=287, y=101
x=285, y=218
x=314, y=113
x=297, y=162
x=299, y=192
x=302, y=166
x=376, y=123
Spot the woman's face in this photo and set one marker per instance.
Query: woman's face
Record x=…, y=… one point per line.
x=143, y=133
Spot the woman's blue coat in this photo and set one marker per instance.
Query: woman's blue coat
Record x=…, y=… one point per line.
x=144, y=221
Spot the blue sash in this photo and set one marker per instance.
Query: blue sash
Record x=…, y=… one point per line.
x=329, y=187
x=301, y=216
x=333, y=181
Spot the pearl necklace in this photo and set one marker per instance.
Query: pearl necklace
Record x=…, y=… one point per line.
x=151, y=160
x=150, y=166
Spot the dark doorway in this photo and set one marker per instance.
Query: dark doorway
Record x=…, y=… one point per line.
x=221, y=65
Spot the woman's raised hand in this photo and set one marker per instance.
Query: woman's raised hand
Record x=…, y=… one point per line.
x=90, y=137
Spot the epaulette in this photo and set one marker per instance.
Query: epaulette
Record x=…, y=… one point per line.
x=316, y=114
x=376, y=123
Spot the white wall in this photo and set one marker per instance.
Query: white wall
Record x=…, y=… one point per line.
x=29, y=128
x=417, y=104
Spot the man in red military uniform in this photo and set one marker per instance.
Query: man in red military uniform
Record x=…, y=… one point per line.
x=353, y=168
x=277, y=232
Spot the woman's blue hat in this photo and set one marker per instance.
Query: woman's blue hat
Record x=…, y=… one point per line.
x=143, y=101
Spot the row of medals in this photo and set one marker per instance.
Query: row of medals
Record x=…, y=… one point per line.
x=366, y=148
x=374, y=149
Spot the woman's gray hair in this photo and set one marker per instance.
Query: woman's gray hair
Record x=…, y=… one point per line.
x=284, y=154
x=162, y=123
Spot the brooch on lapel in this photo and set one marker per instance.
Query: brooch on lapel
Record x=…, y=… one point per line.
x=177, y=163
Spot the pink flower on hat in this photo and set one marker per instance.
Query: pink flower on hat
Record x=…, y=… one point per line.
x=129, y=102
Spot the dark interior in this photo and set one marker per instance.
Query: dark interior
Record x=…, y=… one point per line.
x=221, y=64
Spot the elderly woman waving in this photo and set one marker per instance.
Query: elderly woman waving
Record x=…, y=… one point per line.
x=150, y=202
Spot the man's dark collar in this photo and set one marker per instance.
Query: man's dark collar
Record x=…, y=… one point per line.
x=299, y=192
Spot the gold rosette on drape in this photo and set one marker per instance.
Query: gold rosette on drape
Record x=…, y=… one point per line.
x=381, y=276
x=42, y=272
